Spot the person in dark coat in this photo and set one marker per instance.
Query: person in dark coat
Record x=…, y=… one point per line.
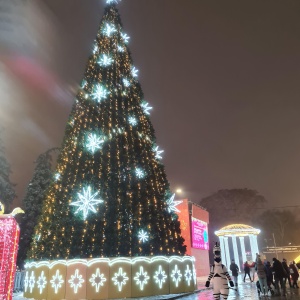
x=287, y=271
x=279, y=274
x=234, y=272
x=295, y=274
x=269, y=273
x=247, y=270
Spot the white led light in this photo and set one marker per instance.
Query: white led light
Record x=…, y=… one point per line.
x=139, y=173
x=41, y=282
x=146, y=108
x=100, y=93
x=158, y=152
x=112, y=1
x=105, y=60
x=26, y=281
x=141, y=278
x=160, y=276
x=56, y=281
x=121, y=49
x=126, y=82
x=86, y=202
x=134, y=72
x=120, y=279
x=31, y=281
x=125, y=37
x=172, y=204
x=176, y=275
x=94, y=142
x=97, y=280
x=132, y=121
x=143, y=236
x=188, y=275
x=109, y=29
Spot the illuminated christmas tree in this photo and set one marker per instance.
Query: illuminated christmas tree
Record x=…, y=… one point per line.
x=110, y=195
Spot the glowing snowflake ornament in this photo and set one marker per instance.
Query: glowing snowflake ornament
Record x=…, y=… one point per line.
x=121, y=49
x=96, y=49
x=105, y=60
x=86, y=202
x=109, y=29
x=134, y=72
x=76, y=281
x=112, y=1
x=94, y=142
x=176, y=275
x=120, y=279
x=57, y=176
x=132, y=121
x=141, y=278
x=125, y=37
x=143, y=236
x=146, y=108
x=41, y=282
x=139, y=173
x=97, y=280
x=158, y=152
x=126, y=82
x=172, y=204
x=100, y=93
x=56, y=281
x=160, y=277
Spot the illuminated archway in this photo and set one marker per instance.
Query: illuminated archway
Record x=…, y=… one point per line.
x=241, y=231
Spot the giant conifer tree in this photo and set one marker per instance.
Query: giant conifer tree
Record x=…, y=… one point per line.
x=111, y=196
x=7, y=188
x=33, y=201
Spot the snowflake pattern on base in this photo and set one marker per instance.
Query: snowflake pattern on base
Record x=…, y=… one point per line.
x=97, y=280
x=76, y=281
x=141, y=278
x=120, y=279
x=188, y=275
x=160, y=277
x=56, y=281
x=176, y=275
x=41, y=282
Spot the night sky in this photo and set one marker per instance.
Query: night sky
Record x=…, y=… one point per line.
x=223, y=79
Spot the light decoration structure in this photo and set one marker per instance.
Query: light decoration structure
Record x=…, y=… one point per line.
x=158, y=152
x=235, y=231
x=143, y=236
x=125, y=37
x=100, y=93
x=146, y=108
x=109, y=29
x=134, y=72
x=172, y=204
x=103, y=278
x=132, y=121
x=105, y=60
x=94, y=142
x=9, y=241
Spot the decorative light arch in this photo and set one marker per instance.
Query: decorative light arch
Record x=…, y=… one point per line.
x=241, y=231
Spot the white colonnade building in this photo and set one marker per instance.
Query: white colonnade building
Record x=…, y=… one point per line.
x=239, y=231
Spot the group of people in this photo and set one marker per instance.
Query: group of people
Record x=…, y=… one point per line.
x=277, y=273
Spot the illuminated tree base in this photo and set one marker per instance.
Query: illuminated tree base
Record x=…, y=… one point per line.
x=110, y=278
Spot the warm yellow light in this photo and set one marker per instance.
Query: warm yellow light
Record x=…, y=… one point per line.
x=178, y=191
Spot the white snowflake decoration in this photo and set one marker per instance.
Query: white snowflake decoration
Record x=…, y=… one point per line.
x=172, y=204
x=97, y=280
x=112, y=1
x=105, y=60
x=134, y=72
x=41, y=282
x=100, y=93
x=26, y=281
x=158, y=152
x=86, y=202
x=125, y=37
x=188, y=275
x=143, y=236
x=139, y=173
x=160, y=277
x=56, y=281
x=83, y=84
x=57, y=176
x=121, y=49
x=94, y=142
x=176, y=275
x=109, y=29
x=146, y=108
x=126, y=82
x=95, y=50
x=120, y=279
x=132, y=121
x=141, y=278
x=31, y=281
x=76, y=281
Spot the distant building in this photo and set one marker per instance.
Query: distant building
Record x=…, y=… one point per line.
x=290, y=253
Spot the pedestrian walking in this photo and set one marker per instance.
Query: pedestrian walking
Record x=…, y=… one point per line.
x=234, y=272
x=279, y=274
x=288, y=274
x=262, y=276
x=247, y=271
x=295, y=274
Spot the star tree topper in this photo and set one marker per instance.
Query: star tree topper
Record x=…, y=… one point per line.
x=86, y=202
